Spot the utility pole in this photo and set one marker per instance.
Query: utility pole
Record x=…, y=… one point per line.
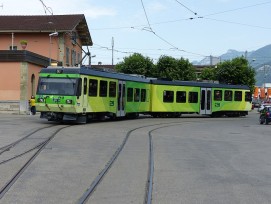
x=112, y=50
x=50, y=46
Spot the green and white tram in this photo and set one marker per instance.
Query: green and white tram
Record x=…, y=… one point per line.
x=80, y=94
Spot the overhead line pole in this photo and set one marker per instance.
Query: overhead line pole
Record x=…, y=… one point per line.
x=112, y=50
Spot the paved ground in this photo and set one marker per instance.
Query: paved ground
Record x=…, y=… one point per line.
x=197, y=160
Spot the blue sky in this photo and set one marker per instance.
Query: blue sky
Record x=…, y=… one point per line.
x=190, y=29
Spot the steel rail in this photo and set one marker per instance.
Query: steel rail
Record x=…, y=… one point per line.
x=8, y=185
x=84, y=198
x=7, y=147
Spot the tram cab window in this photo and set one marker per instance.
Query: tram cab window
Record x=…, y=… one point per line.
x=93, y=87
x=137, y=95
x=248, y=96
x=193, y=97
x=238, y=96
x=130, y=94
x=180, y=96
x=228, y=95
x=168, y=96
x=103, y=88
x=112, y=89
x=143, y=95
x=218, y=95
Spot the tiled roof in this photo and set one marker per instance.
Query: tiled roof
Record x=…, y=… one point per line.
x=47, y=23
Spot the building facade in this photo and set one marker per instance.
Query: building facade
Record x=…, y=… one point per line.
x=30, y=43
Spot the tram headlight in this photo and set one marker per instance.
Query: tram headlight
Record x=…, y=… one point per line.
x=69, y=101
x=40, y=100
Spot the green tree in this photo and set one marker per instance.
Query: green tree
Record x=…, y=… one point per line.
x=176, y=69
x=186, y=70
x=236, y=71
x=208, y=74
x=166, y=67
x=136, y=64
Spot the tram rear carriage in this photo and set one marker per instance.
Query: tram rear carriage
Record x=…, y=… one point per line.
x=173, y=98
x=81, y=94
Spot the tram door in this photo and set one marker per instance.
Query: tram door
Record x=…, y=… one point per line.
x=121, y=99
x=205, y=101
x=85, y=95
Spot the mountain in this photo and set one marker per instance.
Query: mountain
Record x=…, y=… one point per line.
x=259, y=59
x=230, y=54
x=262, y=64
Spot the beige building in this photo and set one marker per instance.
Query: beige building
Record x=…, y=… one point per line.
x=50, y=39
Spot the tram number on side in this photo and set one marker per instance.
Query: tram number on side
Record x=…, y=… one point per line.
x=111, y=103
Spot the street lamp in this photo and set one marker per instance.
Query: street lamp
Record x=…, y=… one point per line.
x=50, y=47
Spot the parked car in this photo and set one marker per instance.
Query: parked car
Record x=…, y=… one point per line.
x=265, y=115
x=256, y=104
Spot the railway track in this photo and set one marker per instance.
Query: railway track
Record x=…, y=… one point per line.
x=149, y=180
x=132, y=158
x=34, y=143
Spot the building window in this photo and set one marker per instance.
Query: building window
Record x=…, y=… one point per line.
x=67, y=56
x=14, y=47
x=78, y=58
x=73, y=58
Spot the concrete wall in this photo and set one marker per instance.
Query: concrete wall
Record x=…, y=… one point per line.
x=16, y=81
x=17, y=85
x=40, y=43
x=10, y=81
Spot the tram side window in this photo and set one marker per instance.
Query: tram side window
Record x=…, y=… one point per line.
x=238, y=96
x=112, y=89
x=228, y=95
x=79, y=88
x=137, y=95
x=130, y=93
x=143, y=95
x=103, y=88
x=93, y=87
x=180, y=96
x=193, y=97
x=168, y=96
x=248, y=96
x=85, y=85
x=218, y=95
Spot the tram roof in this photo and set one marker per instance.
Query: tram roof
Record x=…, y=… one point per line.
x=198, y=84
x=127, y=77
x=95, y=72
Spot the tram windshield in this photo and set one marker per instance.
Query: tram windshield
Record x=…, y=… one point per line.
x=57, y=86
